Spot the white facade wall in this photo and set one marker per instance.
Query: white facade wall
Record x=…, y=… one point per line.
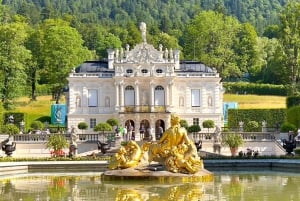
x=158, y=85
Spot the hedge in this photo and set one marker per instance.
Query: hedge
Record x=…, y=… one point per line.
x=253, y=88
x=273, y=117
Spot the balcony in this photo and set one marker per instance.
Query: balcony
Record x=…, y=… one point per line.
x=144, y=109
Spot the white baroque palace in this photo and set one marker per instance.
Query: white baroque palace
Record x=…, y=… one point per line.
x=142, y=87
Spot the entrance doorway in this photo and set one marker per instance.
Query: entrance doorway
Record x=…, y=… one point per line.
x=159, y=128
x=145, y=130
x=130, y=135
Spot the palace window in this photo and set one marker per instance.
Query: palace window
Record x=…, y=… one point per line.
x=129, y=71
x=195, y=121
x=195, y=97
x=129, y=96
x=92, y=98
x=93, y=123
x=159, y=95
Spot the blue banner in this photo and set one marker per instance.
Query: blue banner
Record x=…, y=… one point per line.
x=58, y=114
x=226, y=106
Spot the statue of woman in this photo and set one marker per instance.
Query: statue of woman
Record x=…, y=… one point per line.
x=143, y=29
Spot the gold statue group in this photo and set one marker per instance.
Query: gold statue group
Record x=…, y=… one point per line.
x=175, y=151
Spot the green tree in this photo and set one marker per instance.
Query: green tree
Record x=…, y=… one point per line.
x=209, y=38
x=270, y=59
x=166, y=41
x=82, y=126
x=62, y=49
x=244, y=48
x=208, y=124
x=107, y=41
x=113, y=122
x=13, y=59
x=103, y=127
x=34, y=65
x=290, y=39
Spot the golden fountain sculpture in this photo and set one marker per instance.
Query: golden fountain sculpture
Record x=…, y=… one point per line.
x=175, y=151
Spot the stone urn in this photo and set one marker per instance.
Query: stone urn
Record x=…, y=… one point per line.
x=9, y=148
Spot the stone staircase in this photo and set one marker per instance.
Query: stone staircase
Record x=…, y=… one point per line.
x=263, y=147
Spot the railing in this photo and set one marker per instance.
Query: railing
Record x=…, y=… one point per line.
x=197, y=74
x=144, y=108
x=110, y=136
x=38, y=138
x=103, y=75
x=247, y=136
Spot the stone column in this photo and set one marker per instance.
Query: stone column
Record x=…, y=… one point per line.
x=152, y=97
x=84, y=99
x=121, y=97
x=117, y=86
x=170, y=105
x=137, y=96
x=167, y=97
x=217, y=96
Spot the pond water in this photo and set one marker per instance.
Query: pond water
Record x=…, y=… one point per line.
x=227, y=185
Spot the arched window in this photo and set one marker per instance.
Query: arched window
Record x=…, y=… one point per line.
x=129, y=95
x=159, y=95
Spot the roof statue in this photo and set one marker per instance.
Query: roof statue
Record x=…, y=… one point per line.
x=143, y=29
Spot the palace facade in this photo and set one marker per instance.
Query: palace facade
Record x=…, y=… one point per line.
x=142, y=87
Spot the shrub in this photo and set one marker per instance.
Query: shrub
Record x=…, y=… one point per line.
x=57, y=142
x=82, y=126
x=254, y=88
x=113, y=122
x=232, y=140
x=208, y=124
x=292, y=101
x=194, y=129
x=103, y=127
x=37, y=125
x=183, y=123
x=10, y=129
x=293, y=116
x=273, y=117
x=286, y=127
x=252, y=126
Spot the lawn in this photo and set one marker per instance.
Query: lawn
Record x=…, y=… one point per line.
x=35, y=110
x=42, y=107
x=256, y=101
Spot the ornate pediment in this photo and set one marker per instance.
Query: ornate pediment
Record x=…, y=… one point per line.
x=144, y=53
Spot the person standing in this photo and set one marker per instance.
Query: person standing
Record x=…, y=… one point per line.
x=160, y=131
x=130, y=131
x=142, y=131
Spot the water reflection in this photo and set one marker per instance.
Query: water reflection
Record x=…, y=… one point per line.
x=88, y=186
